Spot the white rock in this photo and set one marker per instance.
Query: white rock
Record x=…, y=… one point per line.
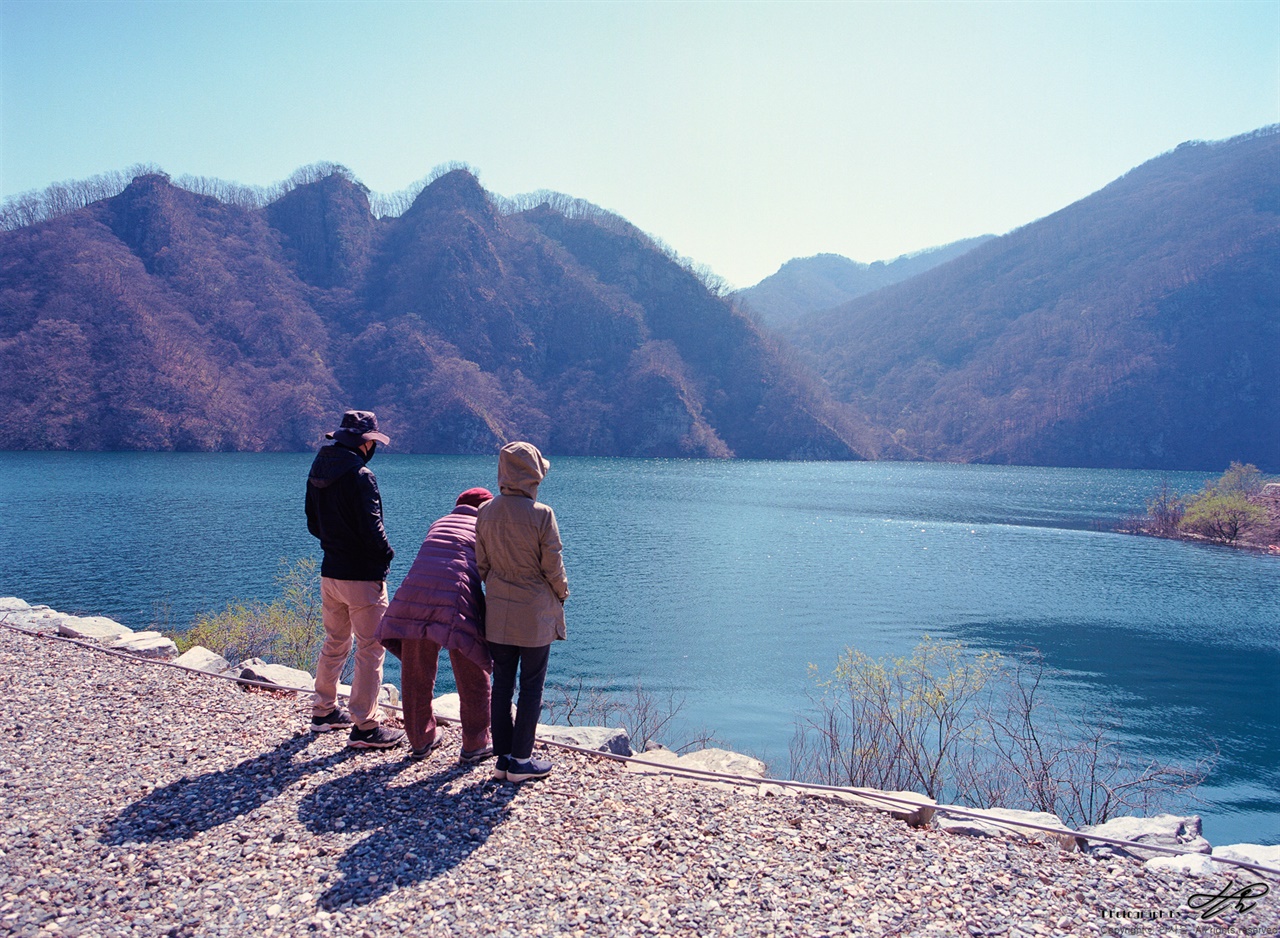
x=1165, y=830
x=599, y=738
x=202, y=659
x=1006, y=822
x=724, y=762
x=447, y=707
x=12, y=604
x=35, y=618
x=255, y=669
x=1250, y=853
x=768, y=790
x=93, y=628
x=1194, y=864
x=146, y=645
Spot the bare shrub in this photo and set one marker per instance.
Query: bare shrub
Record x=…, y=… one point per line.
x=978, y=730
x=1165, y=511
x=901, y=723
x=650, y=718
x=1074, y=768
x=576, y=704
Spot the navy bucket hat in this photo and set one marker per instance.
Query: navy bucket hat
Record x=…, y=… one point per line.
x=357, y=427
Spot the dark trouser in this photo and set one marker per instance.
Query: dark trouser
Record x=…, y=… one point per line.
x=508, y=739
x=419, y=659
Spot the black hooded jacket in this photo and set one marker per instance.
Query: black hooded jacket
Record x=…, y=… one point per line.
x=344, y=510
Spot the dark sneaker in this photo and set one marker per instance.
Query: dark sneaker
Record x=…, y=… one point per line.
x=473, y=756
x=427, y=749
x=337, y=720
x=500, y=767
x=523, y=770
x=377, y=738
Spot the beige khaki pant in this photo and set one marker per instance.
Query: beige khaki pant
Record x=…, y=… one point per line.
x=349, y=606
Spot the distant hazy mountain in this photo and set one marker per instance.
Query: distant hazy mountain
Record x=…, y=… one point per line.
x=163, y=319
x=1138, y=327
x=810, y=284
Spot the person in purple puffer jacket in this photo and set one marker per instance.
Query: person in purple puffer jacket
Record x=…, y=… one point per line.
x=440, y=604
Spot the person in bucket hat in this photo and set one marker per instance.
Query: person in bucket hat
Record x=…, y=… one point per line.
x=344, y=510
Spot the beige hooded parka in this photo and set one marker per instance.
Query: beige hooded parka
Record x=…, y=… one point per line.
x=518, y=553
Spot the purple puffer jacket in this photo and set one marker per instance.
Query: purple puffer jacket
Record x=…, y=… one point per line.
x=440, y=598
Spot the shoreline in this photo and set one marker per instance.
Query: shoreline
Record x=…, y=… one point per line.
x=144, y=800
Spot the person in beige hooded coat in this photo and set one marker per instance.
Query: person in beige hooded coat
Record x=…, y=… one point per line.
x=518, y=554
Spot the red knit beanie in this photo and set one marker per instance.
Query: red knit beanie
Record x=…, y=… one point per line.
x=474, y=497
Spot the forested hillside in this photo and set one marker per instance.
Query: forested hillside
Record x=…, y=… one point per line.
x=1138, y=327
x=165, y=319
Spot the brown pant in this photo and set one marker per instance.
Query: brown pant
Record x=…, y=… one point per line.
x=351, y=606
x=419, y=659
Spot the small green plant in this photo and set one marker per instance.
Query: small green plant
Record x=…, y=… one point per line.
x=288, y=630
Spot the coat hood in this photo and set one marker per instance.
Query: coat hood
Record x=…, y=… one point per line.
x=520, y=469
x=332, y=462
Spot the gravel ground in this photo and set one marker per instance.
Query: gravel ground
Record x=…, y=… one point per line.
x=138, y=800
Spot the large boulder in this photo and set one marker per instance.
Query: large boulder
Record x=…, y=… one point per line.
x=146, y=645
x=447, y=707
x=93, y=629
x=35, y=618
x=202, y=659
x=1163, y=830
x=1250, y=853
x=720, y=761
x=599, y=738
x=12, y=604
x=1005, y=822
x=723, y=762
x=286, y=678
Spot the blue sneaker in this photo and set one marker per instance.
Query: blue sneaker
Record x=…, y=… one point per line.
x=521, y=770
x=500, y=767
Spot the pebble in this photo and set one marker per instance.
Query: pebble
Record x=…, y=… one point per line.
x=141, y=801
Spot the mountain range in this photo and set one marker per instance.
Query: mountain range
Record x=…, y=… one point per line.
x=1138, y=327
x=162, y=319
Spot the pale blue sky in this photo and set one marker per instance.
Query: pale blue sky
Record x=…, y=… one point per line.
x=742, y=134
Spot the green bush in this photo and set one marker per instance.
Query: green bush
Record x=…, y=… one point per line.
x=1239, y=480
x=288, y=630
x=1221, y=517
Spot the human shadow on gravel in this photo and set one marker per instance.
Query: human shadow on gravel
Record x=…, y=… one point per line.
x=420, y=830
x=188, y=806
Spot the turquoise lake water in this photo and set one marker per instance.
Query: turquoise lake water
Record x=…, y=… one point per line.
x=724, y=581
